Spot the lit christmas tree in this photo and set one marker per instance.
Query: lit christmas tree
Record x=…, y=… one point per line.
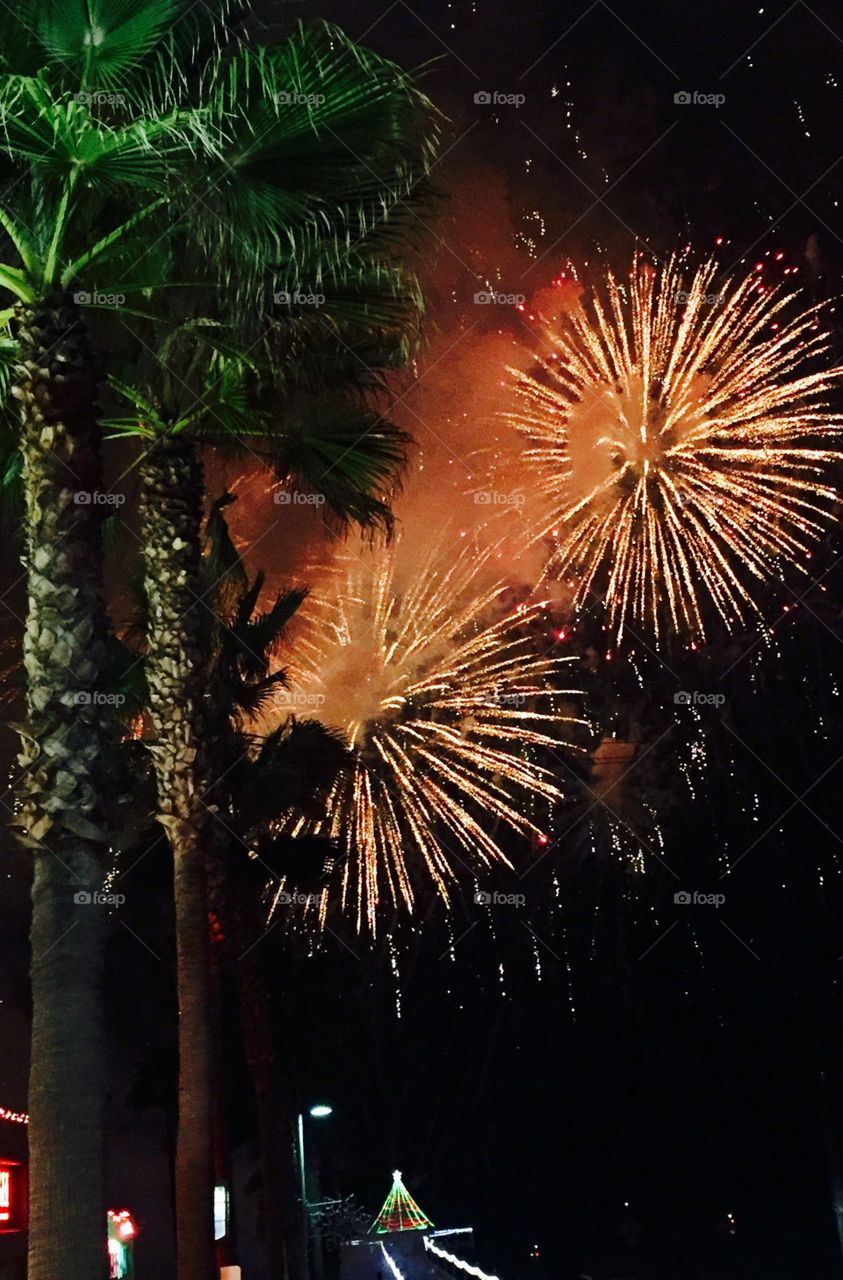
x=400, y=1211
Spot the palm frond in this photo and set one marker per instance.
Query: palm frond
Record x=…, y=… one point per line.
x=11, y=462
x=98, y=41
x=349, y=453
x=59, y=137
x=255, y=700
x=249, y=641
x=319, y=138
x=295, y=767
x=264, y=632
x=224, y=574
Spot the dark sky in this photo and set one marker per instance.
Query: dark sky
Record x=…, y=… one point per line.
x=599, y=1048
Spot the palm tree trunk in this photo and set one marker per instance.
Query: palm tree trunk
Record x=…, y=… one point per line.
x=62, y=754
x=273, y=1114
x=171, y=509
x=279, y=1220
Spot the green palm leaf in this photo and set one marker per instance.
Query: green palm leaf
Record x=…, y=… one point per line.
x=350, y=454
x=314, y=136
x=97, y=40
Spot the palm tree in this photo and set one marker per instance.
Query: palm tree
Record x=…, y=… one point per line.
x=346, y=165
x=262, y=775
x=209, y=402
x=259, y=776
x=76, y=187
x=113, y=136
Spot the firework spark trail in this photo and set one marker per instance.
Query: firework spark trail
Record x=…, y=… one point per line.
x=445, y=705
x=679, y=441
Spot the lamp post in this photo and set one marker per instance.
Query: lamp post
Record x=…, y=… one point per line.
x=318, y=1111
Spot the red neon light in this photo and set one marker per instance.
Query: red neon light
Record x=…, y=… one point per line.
x=122, y=1224
x=13, y=1196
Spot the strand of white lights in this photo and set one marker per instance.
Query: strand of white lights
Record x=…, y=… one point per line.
x=14, y=1117
x=457, y=1262
x=390, y=1262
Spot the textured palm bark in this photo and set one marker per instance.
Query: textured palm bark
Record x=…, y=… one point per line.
x=62, y=820
x=178, y=631
x=276, y=1147
x=275, y=1130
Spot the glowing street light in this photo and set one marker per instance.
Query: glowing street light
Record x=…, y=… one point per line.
x=318, y=1111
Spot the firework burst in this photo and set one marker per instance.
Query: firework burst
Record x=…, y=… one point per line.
x=451, y=715
x=679, y=433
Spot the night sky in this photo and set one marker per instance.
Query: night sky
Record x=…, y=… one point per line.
x=602, y=1045
x=599, y=1071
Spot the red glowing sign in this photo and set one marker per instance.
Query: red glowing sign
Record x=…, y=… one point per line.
x=12, y=1196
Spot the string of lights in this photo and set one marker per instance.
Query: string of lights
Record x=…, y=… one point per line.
x=460, y=1263
x=13, y=1117
x=397, y=1274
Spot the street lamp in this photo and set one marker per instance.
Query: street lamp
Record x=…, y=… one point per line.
x=319, y=1110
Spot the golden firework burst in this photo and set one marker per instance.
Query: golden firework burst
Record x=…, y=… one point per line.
x=450, y=712
x=680, y=435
